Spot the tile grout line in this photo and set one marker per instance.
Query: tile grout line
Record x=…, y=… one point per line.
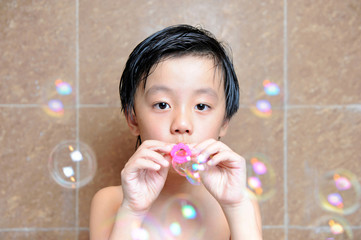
x=335, y=106
x=243, y=106
x=41, y=229
x=77, y=103
x=46, y=229
x=77, y=111
x=285, y=102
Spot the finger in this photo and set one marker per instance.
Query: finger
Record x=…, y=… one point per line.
x=210, y=148
x=164, y=171
x=202, y=145
x=146, y=159
x=163, y=149
x=199, y=150
x=156, y=157
x=150, y=144
x=157, y=146
x=229, y=158
x=142, y=165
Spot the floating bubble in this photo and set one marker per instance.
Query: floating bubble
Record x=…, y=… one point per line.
x=189, y=212
x=342, y=183
x=140, y=234
x=175, y=229
x=154, y=228
x=261, y=179
x=193, y=177
x=56, y=107
x=57, y=98
x=262, y=109
x=72, y=164
x=182, y=218
x=339, y=191
x=335, y=199
x=188, y=164
x=255, y=184
x=149, y=228
x=331, y=227
x=63, y=88
x=271, y=88
x=267, y=98
x=258, y=166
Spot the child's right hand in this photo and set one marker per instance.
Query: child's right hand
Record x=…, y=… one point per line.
x=144, y=175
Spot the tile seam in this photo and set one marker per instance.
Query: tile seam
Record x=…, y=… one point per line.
x=285, y=111
x=34, y=229
x=42, y=229
x=289, y=106
x=77, y=104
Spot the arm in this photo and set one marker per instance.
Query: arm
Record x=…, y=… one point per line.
x=126, y=222
x=115, y=214
x=109, y=218
x=244, y=220
x=104, y=207
x=225, y=179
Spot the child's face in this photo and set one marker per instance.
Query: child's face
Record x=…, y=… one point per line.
x=183, y=101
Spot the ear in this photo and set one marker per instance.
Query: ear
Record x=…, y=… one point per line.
x=224, y=128
x=132, y=123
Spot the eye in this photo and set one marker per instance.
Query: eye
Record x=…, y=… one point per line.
x=202, y=107
x=162, y=105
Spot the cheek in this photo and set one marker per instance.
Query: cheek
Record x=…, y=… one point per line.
x=209, y=128
x=153, y=128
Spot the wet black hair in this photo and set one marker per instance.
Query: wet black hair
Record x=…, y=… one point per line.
x=177, y=41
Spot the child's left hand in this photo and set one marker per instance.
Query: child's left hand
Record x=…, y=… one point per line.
x=225, y=177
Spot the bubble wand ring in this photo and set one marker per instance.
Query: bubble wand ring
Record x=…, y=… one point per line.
x=181, y=153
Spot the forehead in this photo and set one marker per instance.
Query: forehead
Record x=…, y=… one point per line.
x=186, y=72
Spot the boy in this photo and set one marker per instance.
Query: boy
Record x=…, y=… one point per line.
x=178, y=86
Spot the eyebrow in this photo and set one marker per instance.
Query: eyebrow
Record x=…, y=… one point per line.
x=159, y=88
x=207, y=91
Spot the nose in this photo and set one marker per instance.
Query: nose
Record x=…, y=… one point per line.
x=182, y=123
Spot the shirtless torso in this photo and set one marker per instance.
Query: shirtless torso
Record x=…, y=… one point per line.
x=210, y=222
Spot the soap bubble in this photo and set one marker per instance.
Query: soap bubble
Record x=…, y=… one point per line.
x=331, y=227
x=182, y=218
x=175, y=229
x=190, y=170
x=271, y=88
x=262, y=108
x=139, y=234
x=58, y=97
x=261, y=179
x=72, y=164
x=187, y=164
x=151, y=228
x=261, y=104
x=339, y=191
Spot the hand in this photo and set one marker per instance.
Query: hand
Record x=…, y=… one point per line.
x=144, y=175
x=225, y=177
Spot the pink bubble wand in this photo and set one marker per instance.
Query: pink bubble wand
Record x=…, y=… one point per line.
x=185, y=164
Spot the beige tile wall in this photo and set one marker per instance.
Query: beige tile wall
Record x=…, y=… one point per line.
x=311, y=49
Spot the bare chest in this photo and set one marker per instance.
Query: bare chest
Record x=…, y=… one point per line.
x=183, y=218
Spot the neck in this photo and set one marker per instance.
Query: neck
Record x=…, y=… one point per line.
x=176, y=184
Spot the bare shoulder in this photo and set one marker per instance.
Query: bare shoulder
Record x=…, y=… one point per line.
x=112, y=195
x=107, y=200
x=104, y=207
